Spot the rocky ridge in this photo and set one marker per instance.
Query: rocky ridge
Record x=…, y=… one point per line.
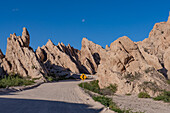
x=133, y=66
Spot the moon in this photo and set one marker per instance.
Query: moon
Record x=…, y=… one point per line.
x=83, y=20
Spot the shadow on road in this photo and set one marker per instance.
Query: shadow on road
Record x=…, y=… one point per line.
x=9, y=105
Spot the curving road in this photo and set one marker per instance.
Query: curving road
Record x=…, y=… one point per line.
x=58, y=97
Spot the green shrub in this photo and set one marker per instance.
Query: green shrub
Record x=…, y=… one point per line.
x=165, y=96
x=103, y=100
x=50, y=79
x=92, y=86
x=109, y=103
x=150, y=85
x=113, y=88
x=168, y=81
x=110, y=90
x=143, y=95
x=128, y=94
x=15, y=80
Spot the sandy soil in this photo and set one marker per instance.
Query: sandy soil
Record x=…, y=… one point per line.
x=59, y=97
x=143, y=105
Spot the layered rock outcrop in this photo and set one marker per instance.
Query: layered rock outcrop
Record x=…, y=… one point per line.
x=125, y=66
x=155, y=47
x=20, y=58
x=90, y=55
x=56, y=59
x=136, y=67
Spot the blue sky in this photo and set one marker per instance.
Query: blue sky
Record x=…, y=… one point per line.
x=68, y=21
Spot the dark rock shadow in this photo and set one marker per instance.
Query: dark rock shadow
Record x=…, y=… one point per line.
x=55, y=69
x=9, y=105
x=97, y=58
x=164, y=72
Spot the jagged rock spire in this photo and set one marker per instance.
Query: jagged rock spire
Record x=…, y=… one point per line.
x=25, y=37
x=169, y=18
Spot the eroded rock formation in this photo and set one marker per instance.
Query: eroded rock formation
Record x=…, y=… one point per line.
x=133, y=66
x=141, y=66
x=20, y=58
x=125, y=66
x=56, y=59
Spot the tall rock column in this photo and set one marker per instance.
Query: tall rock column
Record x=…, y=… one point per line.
x=25, y=37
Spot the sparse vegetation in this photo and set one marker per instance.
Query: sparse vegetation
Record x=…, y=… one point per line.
x=14, y=80
x=149, y=85
x=110, y=90
x=150, y=69
x=94, y=87
x=131, y=77
x=109, y=103
x=52, y=77
x=143, y=95
x=168, y=81
x=128, y=94
x=165, y=96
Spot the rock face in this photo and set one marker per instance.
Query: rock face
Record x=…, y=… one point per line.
x=125, y=66
x=167, y=61
x=56, y=59
x=20, y=58
x=136, y=67
x=1, y=68
x=154, y=48
x=1, y=54
x=90, y=55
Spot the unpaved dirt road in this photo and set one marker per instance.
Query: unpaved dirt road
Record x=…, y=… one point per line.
x=58, y=97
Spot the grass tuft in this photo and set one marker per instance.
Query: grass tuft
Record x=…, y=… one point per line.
x=165, y=96
x=143, y=95
x=94, y=87
x=128, y=94
x=168, y=81
x=109, y=103
x=14, y=80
